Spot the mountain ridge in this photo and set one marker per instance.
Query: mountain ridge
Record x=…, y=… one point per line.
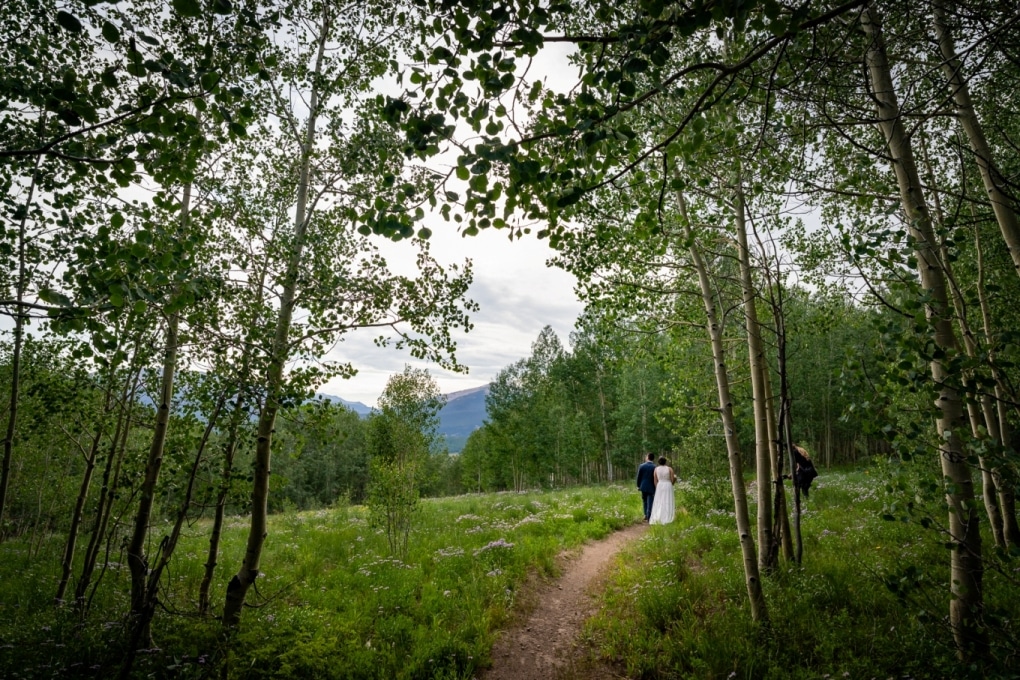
x=463, y=413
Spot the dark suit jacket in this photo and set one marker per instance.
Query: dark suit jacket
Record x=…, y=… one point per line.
x=646, y=477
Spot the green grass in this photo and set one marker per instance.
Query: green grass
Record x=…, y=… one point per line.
x=869, y=601
x=331, y=603
x=677, y=607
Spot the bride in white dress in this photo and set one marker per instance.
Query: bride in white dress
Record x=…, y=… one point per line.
x=663, y=508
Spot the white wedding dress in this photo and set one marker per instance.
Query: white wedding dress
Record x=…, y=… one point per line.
x=663, y=509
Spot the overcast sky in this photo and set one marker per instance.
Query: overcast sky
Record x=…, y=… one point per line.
x=518, y=295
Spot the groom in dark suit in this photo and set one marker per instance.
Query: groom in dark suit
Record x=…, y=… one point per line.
x=646, y=482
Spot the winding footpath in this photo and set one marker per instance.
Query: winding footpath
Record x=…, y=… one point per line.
x=542, y=646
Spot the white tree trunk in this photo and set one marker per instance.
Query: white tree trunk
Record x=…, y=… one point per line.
x=990, y=176
x=238, y=587
x=966, y=565
x=756, y=354
x=752, y=576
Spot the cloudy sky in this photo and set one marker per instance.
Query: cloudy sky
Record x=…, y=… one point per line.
x=518, y=296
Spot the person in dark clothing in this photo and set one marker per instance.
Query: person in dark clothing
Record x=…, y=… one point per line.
x=646, y=482
x=805, y=472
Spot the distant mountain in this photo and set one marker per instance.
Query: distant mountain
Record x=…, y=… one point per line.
x=355, y=406
x=463, y=414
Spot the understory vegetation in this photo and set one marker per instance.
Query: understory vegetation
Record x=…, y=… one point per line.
x=864, y=603
x=334, y=603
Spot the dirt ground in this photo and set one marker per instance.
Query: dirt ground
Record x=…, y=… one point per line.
x=542, y=643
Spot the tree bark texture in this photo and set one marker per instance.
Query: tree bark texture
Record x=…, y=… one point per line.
x=107, y=493
x=782, y=536
x=19, y=339
x=990, y=176
x=137, y=561
x=752, y=577
x=239, y=585
x=229, y=448
x=767, y=555
x=1002, y=474
x=966, y=567
x=980, y=409
x=67, y=561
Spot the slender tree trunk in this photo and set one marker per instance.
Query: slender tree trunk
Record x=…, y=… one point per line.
x=229, y=448
x=790, y=446
x=983, y=418
x=136, y=558
x=19, y=338
x=1007, y=497
x=781, y=516
x=828, y=414
x=238, y=587
x=767, y=554
x=67, y=561
x=107, y=493
x=966, y=567
x=605, y=426
x=990, y=176
x=643, y=395
x=137, y=561
x=980, y=409
x=752, y=579
x=786, y=429
x=166, y=551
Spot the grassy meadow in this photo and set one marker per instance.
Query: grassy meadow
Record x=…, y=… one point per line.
x=869, y=600
x=332, y=601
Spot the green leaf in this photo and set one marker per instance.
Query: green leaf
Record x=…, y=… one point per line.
x=569, y=197
x=222, y=6
x=109, y=77
x=54, y=298
x=117, y=220
x=210, y=80
x=69, y=22
x=187, y=8
x=636, y=65
x=111, y=33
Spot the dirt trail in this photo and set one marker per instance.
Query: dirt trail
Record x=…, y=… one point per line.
x=541, y=645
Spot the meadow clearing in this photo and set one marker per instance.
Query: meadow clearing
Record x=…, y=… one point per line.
x=333, y=602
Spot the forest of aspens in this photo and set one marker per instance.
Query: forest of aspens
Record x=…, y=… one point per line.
x=790, y=222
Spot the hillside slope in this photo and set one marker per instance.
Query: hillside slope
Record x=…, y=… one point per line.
x=463, y=414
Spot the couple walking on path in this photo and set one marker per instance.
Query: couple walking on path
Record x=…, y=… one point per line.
x=656, y=484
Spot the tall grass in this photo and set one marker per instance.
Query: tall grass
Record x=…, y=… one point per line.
x=870, y=599
x=332, y=601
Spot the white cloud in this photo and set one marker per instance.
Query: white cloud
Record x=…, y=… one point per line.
x=518, y=294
